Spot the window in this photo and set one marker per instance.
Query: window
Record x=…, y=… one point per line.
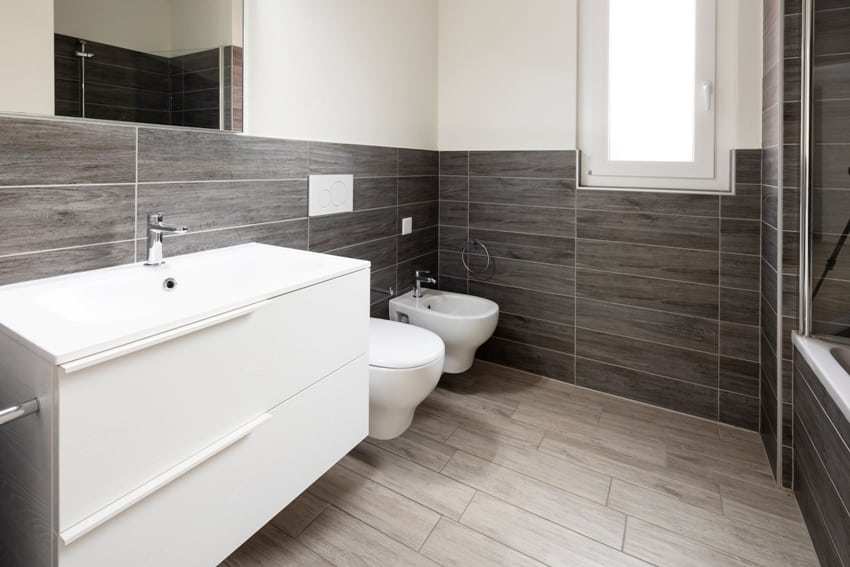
x=648, y=94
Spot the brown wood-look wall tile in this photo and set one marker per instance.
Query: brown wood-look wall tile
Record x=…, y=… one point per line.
x=740, y=236
x=535, y=332
x=360, y=161
x=550, y=164
x=453, y=238
x=418, y=162
x=831, y=26
x=535, y=276
x=695, y=266
x=649, y=388
x=42, y=218
x=738, y=410
x=770, y=166
x=529, y=358
x=456, y=285
x=189, y=155
x=417, y=243
x=740, y=271
x=528, y=220
x=536, y=304
x=815, y=521
x=424, y=214
x=25, y=267
x=454, y=188
x=451, y=265
x=383, y=279
x=791, y=38
x=454, y=213
x=770, y=206
x=769, y=245
x=649, y=202
x=695, y=300
x=739, y=341
x=744, y=204
x=739, y=376
x=739, y=306
x=51, y=152
x=659, y=230
x=833, y=121
x=382, y=253
x=418, y=189
x=666, y=328
x=829, y=498
x=511, y=191
x=454, y=163
x=291, y=234
x=678, y=363
x=790, y=251
x=343, y=229
x=530, y=247
x=747, y=164
x=772, y=126
x=204, y=206
x=375, y=192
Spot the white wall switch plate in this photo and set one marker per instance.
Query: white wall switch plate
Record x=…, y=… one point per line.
x=331, y=194
x=406, y=225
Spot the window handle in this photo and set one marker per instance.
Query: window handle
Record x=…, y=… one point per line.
x=706, y=94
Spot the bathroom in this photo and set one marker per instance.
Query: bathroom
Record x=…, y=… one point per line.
x=667, y=382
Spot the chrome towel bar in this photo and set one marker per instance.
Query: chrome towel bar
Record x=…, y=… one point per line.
x=19, y=411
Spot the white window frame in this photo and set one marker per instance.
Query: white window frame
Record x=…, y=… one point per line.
x=714, y=118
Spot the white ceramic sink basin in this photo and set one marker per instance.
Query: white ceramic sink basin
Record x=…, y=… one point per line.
x=83, y=313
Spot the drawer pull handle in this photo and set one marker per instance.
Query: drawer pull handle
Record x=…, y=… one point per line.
x=105, y=514
x=119, y=351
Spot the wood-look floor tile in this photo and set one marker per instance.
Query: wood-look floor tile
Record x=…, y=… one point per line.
x=417, y=448
x=346, y=541
x=389, y=512
x=623, y=442
x=541, y=539
x=695, y=491
x=454, y=545
x=713, y=468
x=772, y=508
x=433, y=424
x=438, y=492
x=667, y=549
x=578, y=514
x=742, y=540
x=270, y=547
x=731, y=453
x=299, y=513
x=526, y=459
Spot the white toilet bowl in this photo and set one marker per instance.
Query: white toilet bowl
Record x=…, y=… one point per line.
x=405, y=364
x=464, y=322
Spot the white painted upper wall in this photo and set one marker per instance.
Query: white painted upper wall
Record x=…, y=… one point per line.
x=361, y=71
x=141, y=26
x=507, y=74
x=26, y=37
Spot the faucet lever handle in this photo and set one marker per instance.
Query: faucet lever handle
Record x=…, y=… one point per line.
x=422, y=273
x=155, y=218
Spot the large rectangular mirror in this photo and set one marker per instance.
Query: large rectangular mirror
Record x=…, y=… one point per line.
x=174, y=62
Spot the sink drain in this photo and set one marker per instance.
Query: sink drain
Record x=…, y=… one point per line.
x=169, y=284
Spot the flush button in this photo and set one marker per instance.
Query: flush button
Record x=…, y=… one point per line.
x=331, y=194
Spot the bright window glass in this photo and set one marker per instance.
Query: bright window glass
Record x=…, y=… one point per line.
x=651, y=80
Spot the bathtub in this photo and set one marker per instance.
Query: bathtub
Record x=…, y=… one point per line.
x=831, y=363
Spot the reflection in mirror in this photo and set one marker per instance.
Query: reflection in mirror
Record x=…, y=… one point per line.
x=174, y=62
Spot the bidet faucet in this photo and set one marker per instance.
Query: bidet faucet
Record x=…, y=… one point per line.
x=155, y=231
x=420, y=277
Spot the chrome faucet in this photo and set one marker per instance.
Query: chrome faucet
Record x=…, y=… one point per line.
x=420, y=277
x=155, y=231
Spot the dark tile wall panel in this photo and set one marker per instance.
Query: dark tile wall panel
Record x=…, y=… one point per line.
x=70, y=200
x=655, y=294
x=821, y=465
x=773, y=81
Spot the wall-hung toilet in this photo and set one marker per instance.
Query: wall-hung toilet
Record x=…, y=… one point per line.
x=405, y=364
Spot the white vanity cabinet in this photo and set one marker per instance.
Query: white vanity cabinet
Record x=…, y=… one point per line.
x=174, y=448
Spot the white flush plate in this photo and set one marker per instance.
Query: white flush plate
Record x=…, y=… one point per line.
x=331, y=194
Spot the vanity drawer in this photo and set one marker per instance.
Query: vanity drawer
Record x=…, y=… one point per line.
x=138, y=413
x=202, y=516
